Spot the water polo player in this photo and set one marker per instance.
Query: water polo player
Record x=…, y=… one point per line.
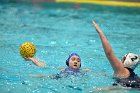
x=124, y=69
x=73, y=62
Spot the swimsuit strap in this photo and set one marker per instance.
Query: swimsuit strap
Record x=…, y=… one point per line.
x=132, y=73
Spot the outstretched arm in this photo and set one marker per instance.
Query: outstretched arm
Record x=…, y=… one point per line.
x=41, y=64
x=36, y=62
x=115, y=63
x=85, y=70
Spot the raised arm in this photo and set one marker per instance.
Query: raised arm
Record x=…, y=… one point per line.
x=115, y=63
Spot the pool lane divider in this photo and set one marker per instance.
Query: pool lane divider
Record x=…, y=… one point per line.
x=103, y=2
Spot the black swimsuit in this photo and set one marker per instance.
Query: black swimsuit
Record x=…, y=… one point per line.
x=132, y=81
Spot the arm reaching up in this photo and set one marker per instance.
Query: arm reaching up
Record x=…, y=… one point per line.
x=117, y=66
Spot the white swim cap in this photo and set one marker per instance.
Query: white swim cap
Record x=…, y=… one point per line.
x=131, y=60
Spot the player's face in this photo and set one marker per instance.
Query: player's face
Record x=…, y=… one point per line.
x=75, y=62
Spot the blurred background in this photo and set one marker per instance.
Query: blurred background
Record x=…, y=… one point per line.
x=62, y=0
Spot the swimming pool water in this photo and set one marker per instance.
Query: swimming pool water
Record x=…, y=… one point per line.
x=58, y=30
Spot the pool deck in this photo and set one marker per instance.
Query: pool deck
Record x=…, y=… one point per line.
x=129, y=3
x=124, y=3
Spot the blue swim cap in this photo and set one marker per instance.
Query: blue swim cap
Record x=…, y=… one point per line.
x=72, y=54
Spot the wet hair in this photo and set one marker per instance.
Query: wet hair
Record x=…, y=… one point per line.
x=72, y=54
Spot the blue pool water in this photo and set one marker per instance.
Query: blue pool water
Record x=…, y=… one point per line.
x=58, y=30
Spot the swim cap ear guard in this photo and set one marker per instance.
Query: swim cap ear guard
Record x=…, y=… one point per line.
x=131, y=60
x=73, y=54
x=67, y=62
